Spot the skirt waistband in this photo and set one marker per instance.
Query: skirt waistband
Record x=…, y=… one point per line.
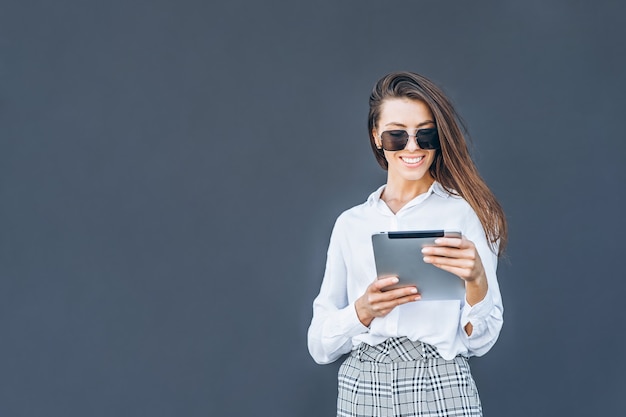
x=395, y=349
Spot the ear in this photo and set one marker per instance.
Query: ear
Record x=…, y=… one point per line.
x=379, y=144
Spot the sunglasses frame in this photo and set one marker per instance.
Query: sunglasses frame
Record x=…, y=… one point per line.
x=426, y=138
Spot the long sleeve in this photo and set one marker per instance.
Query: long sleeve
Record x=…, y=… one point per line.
x=334, y=321
x=487, y=315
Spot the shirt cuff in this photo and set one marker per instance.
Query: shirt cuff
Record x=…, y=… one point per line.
x=347, y=322
x=477, y=314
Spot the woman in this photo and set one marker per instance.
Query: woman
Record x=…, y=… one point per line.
x=409, y=358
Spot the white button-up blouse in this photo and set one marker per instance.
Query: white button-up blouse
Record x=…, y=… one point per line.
x=335, y=328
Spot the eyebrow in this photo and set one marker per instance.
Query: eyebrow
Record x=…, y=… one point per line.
x=424, y=123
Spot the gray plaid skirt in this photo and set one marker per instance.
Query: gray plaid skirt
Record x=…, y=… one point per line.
x=403, y=378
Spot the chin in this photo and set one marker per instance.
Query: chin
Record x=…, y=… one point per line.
x=417, y=178
x=414, y=176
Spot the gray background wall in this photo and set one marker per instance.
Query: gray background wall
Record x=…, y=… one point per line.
x=170, y=173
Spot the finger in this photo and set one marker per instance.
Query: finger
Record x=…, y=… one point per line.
x=463, y=273
x=400, y=292
x=391, y=295
x=448, y=252
x=466, y=263
x=454, y=242
x=381, y=283
x=390, y=305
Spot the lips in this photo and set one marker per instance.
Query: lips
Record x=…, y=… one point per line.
x=412, y=160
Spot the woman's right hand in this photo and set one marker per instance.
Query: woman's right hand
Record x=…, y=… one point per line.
x=377, y=303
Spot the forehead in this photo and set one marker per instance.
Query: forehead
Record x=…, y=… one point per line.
x=404, y=112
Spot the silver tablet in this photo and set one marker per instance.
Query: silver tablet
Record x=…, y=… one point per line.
x=399, y=254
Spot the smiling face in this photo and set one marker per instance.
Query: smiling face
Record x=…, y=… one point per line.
x=411, y=163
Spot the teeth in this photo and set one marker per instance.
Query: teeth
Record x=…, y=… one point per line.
x=412, y=160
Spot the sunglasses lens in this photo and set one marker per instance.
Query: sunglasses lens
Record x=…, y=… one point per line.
x=394, y=140
x=428, y=138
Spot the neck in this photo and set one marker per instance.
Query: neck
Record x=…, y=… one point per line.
x=403, y=191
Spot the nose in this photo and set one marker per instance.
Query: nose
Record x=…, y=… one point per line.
x=411, y=144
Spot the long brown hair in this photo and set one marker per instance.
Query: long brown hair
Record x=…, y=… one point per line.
x=453, y=167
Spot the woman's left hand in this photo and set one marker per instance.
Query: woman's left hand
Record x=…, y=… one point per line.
x=460, y=257
x=456, y=255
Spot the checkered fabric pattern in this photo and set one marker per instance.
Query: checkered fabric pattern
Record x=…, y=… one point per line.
x=402, y=378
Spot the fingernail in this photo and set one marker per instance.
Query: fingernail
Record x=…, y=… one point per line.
x=395, y=279
x=437, y=241
x=414, y=290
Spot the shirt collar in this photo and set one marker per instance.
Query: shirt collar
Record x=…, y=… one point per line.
x=439, y=190
x=435, y=188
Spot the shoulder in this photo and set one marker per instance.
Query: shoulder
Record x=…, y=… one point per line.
x=353, y=214
x=451, y=200
x=361, y=212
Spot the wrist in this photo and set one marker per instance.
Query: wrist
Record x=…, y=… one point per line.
x=476, y=290
x=361, y=314
x=478, y=281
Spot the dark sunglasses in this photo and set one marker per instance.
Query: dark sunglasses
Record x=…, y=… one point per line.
x=396, y=140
